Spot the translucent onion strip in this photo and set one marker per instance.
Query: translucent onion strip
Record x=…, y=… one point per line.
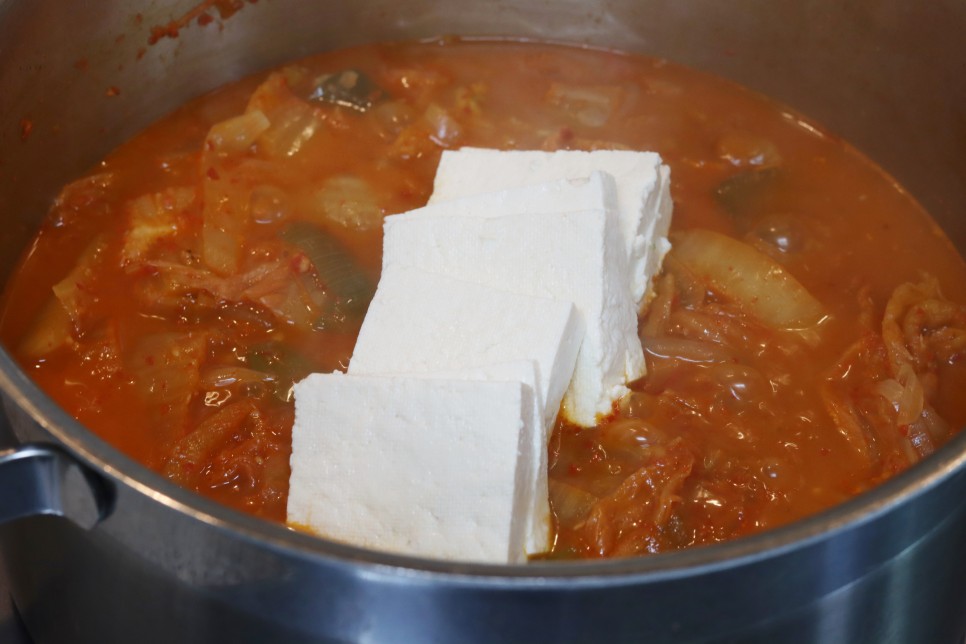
x=749, y=277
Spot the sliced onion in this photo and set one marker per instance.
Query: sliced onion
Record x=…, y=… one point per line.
x=185, y=464
x=166, y=370
x=891, y=390
x=743, y=385
x=237, y=134
x=74, y=291
x=346, y=200
x=749, y=277
x=444, y=130
x=50, y=330
x=392, y=117
x=589, y=105
x=225, y=376
x=292, y=120
x=224, y=215
x=292, y=126
x=938, y=428
x=569, y=502
x=660, y=307
x=912, y=400
x=637, y=404
x=686, y=350
x=153, y=217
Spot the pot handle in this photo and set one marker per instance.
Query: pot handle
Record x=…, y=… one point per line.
x=40, y=479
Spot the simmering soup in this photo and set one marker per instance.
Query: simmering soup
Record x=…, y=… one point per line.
x=177, y=291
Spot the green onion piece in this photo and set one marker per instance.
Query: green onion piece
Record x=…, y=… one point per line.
x=349, y=289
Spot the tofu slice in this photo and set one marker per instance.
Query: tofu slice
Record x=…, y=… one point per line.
x=427, y=467
x=643, y=193
x=419, y=322
x=537, y=507
x=573, y=256
x=596, y=190
x=537, y=504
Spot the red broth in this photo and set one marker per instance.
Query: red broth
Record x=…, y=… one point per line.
x=176, y=292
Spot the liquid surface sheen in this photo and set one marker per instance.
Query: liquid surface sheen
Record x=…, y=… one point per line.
x=176, y=292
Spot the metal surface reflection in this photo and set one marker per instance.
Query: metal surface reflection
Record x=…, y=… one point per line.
x=166, y=566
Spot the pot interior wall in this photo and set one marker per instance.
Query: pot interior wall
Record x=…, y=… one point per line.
x=76, y=79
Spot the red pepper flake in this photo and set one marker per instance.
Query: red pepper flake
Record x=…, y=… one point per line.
x=198, y=14
x=573, y=470
x=213, y=174
x=81, y=64
x=227, y=8
x=164, y=31
x=112, y=91
x=26, y=127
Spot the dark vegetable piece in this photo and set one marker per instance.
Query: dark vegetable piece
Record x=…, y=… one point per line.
x=349, y=290
x=743, y=194
x=349, y=88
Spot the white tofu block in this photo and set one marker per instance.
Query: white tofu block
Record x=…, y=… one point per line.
x=424, y=467
x=643, y=192
x=575, y=256
x=537, y=506
x=595, y=191
x=419, y=322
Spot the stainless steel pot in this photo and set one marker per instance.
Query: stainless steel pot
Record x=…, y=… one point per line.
x=101, y=550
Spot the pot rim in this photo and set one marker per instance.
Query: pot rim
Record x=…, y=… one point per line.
x=123, y=470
